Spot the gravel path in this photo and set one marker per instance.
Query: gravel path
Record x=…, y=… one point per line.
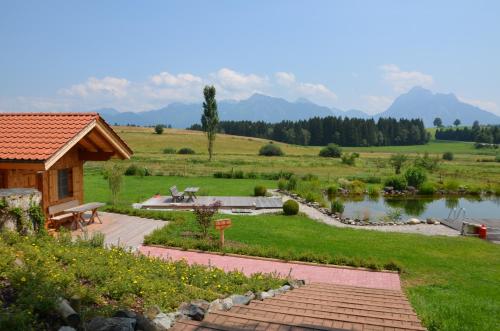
x=425, y=229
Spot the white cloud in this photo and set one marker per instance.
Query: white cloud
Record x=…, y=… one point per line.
x=116, y=87
x=165, y=78
x=285, y=78
x=402, y=81
x=166, y=87
x=316, y=92
x=483, y=104
x=376, y=103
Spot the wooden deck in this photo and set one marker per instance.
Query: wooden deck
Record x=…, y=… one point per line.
x=166, y=202
x=126, y=231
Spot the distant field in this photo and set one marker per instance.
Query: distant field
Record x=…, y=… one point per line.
x=241, y=153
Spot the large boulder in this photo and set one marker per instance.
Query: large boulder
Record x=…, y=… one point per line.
x=15, y=204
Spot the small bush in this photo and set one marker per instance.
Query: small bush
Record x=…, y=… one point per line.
x=290, y=207
x=292, y=183
x=251, y=175
x=373, y=191
x=185, y=150
x=238, y=174
x=451, y=185
x=131, y=170
x=349, y=158
x=337, y=207
x=309, y=177
x=427, y=188
x=397, y=182
x=474, y=190
x=271, y=150
x=332, y=190
x=159, y=129
x=282, y=184
x=169, y=150
x=260, y=191
x=310, y=197
x=415, y=176
x=332, y=150
x=448, y=156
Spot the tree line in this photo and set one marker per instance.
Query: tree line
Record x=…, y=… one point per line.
x=489, y=134
x=341, y=131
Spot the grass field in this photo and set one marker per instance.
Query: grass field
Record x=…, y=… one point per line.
x=240, y=153
x=453, y=283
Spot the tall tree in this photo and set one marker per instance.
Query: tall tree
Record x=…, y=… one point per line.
x=456, y=122
x=210, y=117
x=438, y=122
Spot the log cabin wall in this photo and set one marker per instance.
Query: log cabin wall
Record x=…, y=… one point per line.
x=48, y=181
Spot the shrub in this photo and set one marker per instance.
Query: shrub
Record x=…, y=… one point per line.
x=169, y=150
x=271, y=150
x=451, y=185
x=427, y=188
x=159, y=129
x=397, y=182
x=427, y=163
x=310, y=197
x=397, y=161
x=238, y=174
x=259, y=191
x=131, y=170
x=373, y=191
x=185, y=150
x=474, y=190
x=292, y=183
x=415, y=176
x=114, y=175
x=309, y=177
x=282, y=184
x=332, y=190
x=337, y=207
x=204, y=215
x=357, y=187
x=448, y=156
x=349, y=158
x=290, y=207
x=332, y=150
x=251, y=175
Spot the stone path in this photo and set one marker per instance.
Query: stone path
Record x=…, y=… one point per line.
x=316, y=306
x=309, y=273
x=425, y=229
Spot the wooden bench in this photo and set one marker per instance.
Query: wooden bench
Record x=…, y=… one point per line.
x=56, y=212
x=176, y=195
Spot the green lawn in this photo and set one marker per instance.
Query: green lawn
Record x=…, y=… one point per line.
x=453, y=283
x=138, y=189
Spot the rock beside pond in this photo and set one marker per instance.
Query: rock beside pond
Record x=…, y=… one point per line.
x=195, y=310
x=164, y=321
x=413, y=221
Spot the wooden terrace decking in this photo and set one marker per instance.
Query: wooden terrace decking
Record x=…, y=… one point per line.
x=166, y=202
x=126, y=231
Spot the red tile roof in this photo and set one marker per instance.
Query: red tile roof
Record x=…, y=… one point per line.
x=37, y=136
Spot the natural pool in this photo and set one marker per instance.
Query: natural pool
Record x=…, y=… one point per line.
x=421, y=207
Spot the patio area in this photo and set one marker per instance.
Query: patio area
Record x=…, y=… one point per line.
x=227, y=202
x=123, y=230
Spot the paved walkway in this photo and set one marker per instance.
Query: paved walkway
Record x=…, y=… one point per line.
x=126, y=231
x=315, y=307
x=309, y=273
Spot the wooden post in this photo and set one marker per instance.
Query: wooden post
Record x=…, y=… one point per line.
x=221, y=225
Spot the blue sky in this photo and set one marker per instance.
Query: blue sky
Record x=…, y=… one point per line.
x=130, y=55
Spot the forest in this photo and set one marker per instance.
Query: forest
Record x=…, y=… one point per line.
x=342, y=131
x=489, y=134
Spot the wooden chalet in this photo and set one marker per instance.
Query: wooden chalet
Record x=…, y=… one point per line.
x=47, y=151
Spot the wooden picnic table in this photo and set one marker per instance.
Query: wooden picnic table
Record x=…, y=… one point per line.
x=191, y=192
x=78, y=212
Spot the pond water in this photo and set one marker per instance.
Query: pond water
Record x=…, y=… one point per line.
x=422, y=208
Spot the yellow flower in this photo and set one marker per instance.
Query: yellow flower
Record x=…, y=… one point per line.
x=23, y=279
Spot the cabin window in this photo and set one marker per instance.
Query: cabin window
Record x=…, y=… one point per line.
x=64, y=183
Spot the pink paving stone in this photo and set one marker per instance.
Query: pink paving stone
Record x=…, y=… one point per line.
x=309, y=273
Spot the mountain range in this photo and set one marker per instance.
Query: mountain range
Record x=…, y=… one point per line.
x=416, y=103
